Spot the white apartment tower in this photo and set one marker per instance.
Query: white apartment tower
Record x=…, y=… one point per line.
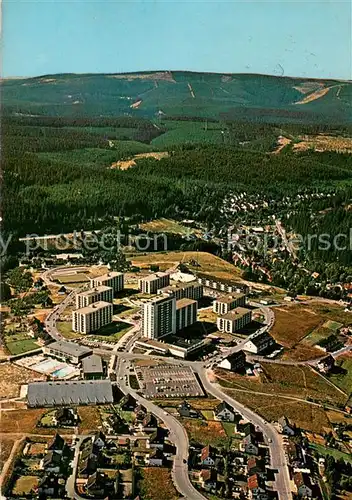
x=91, y=318
x=113, y=279
x=98, y=294
x=150, y=284
x=159, y=317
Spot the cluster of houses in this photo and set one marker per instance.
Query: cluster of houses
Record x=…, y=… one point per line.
x=55, y=466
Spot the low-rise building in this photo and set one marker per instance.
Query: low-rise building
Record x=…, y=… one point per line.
x=256, y=487
x=225, y=412
x=223, y=305
x=303, y=485
x=285, y=427
x=192, y=290
x=113, y=279
x=207, y=456
x=258, y=344
x=207, y=479
x=186, y=313
x=151, y=284
x=234, y=320
x=92, y=367
x=235, y=362
x=222, y=285
x=67, y=351
x=97, y=294
x=89, y=319
x=326, y=364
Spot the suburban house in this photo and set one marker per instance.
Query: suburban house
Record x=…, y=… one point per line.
x=259, y=343
x=303, y=485
x=51, y=462
x=255, y=466
x=207, y=456
x=235, y=362
x=150, y=423
x=140, y=412
x=249, y=444
x=285, y=427
x=58, y=444
x=65, y=417
x=157, y=438
x=185, y=410
x=256, y=487
x=207, y=479
x=155, y=458
x=326, y=364
x=225, y=412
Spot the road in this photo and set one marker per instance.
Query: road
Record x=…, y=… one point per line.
x=177, y=434
x=71, y=480
x=277, y=456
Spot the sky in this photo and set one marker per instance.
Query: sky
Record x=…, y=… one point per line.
x=300, y=38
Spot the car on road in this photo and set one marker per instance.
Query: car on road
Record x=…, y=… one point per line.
x=270, y=440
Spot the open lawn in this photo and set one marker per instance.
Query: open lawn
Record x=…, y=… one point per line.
x=208, y=263
x=90, y=419
x=20, y=421
x=205, y=432
x=196, y=403
x=294, y=381
x=304, y=415
x=156, y=482
x=20, y=346
x=112, y=332
x=13, y=376
x=229, y=429
x=166, y=226
x=5, y=450
x=293, y=323
x=25, y=485
x=342, y=374
x=72, y=278
x=337, y=454
x=65, y=328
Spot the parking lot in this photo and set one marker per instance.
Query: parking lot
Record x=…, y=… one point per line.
x=166, y=381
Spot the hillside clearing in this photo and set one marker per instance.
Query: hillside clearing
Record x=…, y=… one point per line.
x=125, y=164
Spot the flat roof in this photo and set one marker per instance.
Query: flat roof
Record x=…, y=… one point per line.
x=154, y=276
x=93, y=307
x=235, y=313
x=92, y=364
x=228, y=299
x=184, y=303
x=93, y=291
x=69, y=348
x=41, y=394
x=179, y=286
x=107, y=276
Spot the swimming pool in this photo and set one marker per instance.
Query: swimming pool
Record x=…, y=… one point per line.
x=47, y=366
x=63, y=372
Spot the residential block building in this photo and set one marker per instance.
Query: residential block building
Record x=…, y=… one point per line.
x=222, y=285
x=192, y=290
x=234, y=320
x=186, y=313
x=113, y=279
x=97, y=294
x=225, y=304
x=234, y=362
x=159, y=317
x=91, y=318
x=151, y=284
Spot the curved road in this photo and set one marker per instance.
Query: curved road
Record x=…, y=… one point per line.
x=177, y=434
x=277, y=456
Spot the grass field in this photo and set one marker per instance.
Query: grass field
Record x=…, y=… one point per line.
x=293, y=323
x=112, y=332
x=294, y=381
x=304, y=415
x=166, y=226
x=65, y=328
x=90, y=419
x=21, y=421
x=72, y=278
x=20, y=346
x=25, y=485
x=208, y=263
x=6, y=446
x=337, y=454
x=344, y=379
x=157, y=483
x=209, y=432
x=13, y=376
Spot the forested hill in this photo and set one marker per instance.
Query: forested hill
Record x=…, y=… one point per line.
x=164, y=93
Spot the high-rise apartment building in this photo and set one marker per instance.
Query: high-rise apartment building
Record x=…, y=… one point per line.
x=150, y=284
x=159, y=317
x=113, y=279
x=97, y=294
x=91, y=318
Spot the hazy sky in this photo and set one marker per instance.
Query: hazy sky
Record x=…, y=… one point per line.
x=299, y=38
